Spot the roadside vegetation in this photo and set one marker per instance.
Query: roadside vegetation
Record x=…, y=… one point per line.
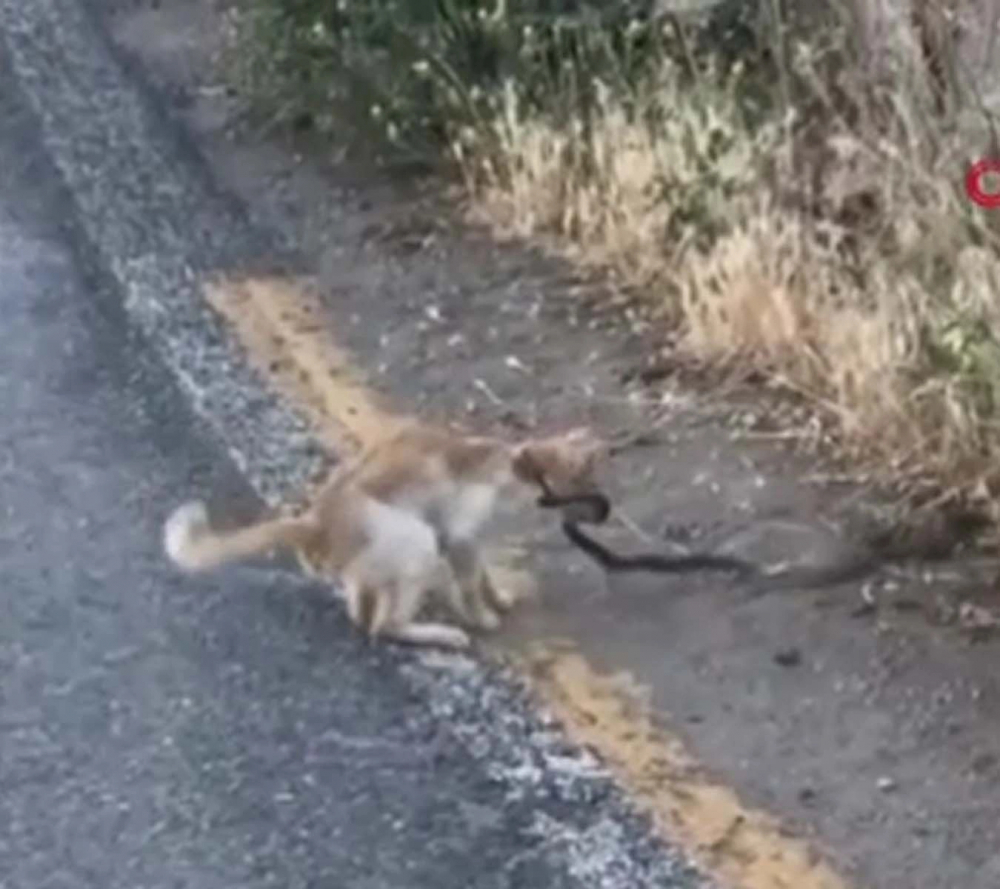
x=781, y=185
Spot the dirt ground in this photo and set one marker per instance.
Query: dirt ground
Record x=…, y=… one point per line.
x=863, y=716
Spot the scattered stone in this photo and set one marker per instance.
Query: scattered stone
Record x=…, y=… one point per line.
x=983, y=763
x=788, y=657
x=907, y=604
x=974, y=617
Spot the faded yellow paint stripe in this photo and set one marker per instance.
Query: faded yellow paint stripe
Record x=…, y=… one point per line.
x=738, y=846
x=279, y=323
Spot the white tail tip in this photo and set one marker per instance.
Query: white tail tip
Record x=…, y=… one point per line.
x=181, y=530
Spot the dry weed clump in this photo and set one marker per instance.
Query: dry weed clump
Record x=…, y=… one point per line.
x=844, y=260
x=787, y=191
x=631, y=188
x=888, y=323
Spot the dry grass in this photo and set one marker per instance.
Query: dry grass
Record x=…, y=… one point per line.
x=844, y=260
x=818, y=234
x=629, y=195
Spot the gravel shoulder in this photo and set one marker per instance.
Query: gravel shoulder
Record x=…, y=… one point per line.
x=227, y=730
x=866, y=724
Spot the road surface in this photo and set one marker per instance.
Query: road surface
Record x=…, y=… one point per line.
x=161, y=730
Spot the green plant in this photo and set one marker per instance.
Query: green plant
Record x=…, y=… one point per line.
x=783, y=179
x=419, y=72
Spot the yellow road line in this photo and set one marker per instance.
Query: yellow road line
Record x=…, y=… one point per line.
x=283, y=330
x=740, y=847
x=279, y=322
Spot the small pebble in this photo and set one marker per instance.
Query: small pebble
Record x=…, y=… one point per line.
x=788, y=657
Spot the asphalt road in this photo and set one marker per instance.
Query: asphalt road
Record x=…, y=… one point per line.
x=161, y=730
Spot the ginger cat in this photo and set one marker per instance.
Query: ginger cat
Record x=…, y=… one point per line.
x=401, y=523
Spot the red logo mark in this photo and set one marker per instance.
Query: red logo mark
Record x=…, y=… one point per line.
x=974, y=183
